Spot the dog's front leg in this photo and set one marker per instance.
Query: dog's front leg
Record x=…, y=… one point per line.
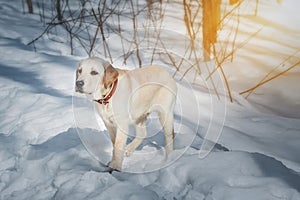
x=118, y=151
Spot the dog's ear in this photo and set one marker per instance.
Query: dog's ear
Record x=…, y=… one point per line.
x=77, y=71
x=110, y=75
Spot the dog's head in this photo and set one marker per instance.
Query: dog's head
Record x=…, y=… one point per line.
x=94, y=77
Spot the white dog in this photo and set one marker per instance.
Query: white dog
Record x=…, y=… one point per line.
x=123, y=98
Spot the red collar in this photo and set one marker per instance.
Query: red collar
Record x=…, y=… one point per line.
x=107, y=97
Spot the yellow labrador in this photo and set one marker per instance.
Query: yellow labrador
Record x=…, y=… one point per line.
x=126, y=97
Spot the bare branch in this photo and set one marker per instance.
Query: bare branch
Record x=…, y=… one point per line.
x=297, y=64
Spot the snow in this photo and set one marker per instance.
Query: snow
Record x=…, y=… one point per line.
x=51, y=145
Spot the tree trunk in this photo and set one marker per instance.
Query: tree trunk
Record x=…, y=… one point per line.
x=211, y=20
x=30, y=7
x=232, y=2
x=58, y=10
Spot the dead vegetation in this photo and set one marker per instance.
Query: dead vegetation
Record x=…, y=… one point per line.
x=212, y=29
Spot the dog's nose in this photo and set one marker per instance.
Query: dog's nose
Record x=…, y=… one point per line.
x=79, y=84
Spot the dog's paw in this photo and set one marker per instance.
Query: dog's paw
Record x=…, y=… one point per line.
x=114, y=166
x=111, y=170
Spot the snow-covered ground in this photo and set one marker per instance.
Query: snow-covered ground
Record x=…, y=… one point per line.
x=257, y=155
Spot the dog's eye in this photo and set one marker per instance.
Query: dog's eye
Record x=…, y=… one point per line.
x=79, y=71
x=94, y=73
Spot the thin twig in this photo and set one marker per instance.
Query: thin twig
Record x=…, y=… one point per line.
x=224, y=76
x=274, y=69
x=273, y=77
x=41, y=35
x=233, y=51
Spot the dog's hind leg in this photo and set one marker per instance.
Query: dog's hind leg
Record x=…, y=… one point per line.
x=167, y=120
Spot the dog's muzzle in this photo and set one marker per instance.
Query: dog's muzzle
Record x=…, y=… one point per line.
x=79, y=85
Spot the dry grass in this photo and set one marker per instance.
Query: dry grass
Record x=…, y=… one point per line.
x=88, y=27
